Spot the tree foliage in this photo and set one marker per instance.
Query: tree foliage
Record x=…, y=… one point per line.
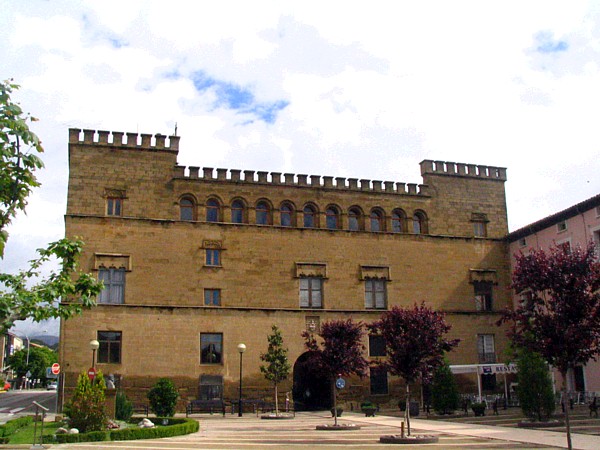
x=341, y=351
x=86, y=408
x=415, y=344
x=28, y=294
x=18, y=158
x=123, y=407
x=534, y=388
x=278, y=367
x=559, y=315
x=163, y=398
x=39, y=359
x=444, y=390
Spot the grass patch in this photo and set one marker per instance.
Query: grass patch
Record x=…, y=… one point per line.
x=24, y=435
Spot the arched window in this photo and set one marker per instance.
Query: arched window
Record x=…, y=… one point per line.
x=332, y=218
x=212, y=210
x=237, y=211
x=263, y=213
x=310, y=216
x=419, y=223
x=286, y=213
x=377, y=220
x=354, y=219
x=398, y=221
x=187, y=209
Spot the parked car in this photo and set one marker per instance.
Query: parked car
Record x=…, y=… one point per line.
x=53, y=386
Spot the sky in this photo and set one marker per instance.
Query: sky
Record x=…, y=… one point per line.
x=342, y=88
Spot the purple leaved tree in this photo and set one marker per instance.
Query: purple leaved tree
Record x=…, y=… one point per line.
x=415, y=344
x=559, y=315
x=340, y=353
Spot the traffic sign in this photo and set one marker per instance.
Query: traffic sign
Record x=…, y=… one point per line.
x=91, y=373
x=340, y=383
x=56, y=368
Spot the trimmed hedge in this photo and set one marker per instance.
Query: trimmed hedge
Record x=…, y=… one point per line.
x=13, y=425
x=176, y=427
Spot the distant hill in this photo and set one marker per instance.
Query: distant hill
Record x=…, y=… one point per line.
x=46, y=339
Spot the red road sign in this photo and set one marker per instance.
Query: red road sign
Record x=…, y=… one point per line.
x=56, y=368
x=91, y=373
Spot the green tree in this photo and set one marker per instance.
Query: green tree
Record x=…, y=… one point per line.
x=123, y=407
x=39, y=359
x=86, y=408
x=444, y=391
x=278, y=367
x=163, y=398
x=28, y=294
x=535, y=386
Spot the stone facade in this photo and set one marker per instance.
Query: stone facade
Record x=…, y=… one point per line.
x=161, y=225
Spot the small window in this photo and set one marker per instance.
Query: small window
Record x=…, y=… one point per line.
x=486, y=348
x=354, y=219
x=213, y=257
x=286, y=215
x=332, y=218
x=479, y=229
x=523, y=242
x=187, y=209
x=561, y=226
x=398, y=221
x=237, y=211
x=211, y=348
x=212, y=297
x=109, y=351
x=114, y=206
x=376, y=221
x=311, y=292
x=263, y=213
x=597, y=211
x=378, y=381
x=375, y=293
x=419, y=223
x=212, y=210
x=310, y=219
x=114, y=285
x=483, y=295
x=376, y=345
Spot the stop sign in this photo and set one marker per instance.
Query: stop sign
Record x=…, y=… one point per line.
x=56, y=368
x=91, y=373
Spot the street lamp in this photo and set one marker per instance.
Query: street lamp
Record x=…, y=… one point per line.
x=94, y=344
x=241, y=349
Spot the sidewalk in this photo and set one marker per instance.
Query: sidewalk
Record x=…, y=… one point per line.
x=521, y=435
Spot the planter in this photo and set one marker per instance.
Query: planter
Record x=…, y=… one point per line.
x=544, y=424
x=338, y=427
x=282, y=416
x=339, y=412
x=413, y=408
x=478, y=409
x=369, y=412
x=418, y=439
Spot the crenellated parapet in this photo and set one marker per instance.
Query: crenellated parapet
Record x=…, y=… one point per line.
x=462, y=170
x=298, y=180
x=124, y=140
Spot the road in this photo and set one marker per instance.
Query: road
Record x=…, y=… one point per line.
x=17, y=403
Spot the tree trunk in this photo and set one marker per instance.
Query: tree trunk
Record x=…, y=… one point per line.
x=567, y=406
x=334, y=403
x=407, y=411
x=276, y=404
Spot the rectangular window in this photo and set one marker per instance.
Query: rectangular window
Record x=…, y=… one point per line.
x=376, y=345
x=114, y=286
x=561, y=226
x=109, y=351
x=212, y=297
x=523, y=242
x=114, y=206
x=375, y=293
x=211, y=348
x=378, y=381
x=211, y=387
x=311, y=292
x=486, y=348
x=479, y=229
x=483, y=295
x=213, y=257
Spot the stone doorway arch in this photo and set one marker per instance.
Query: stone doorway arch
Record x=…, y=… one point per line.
x=312, y=390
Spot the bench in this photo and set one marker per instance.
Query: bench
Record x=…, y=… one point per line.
x=205, y=406
x=140, y=408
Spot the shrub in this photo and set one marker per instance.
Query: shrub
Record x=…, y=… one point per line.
x=123, y=407
x=535, y=386
x=13, y=425
x=479, y=408
x=86, y=408
x=444, y=391
x=163, y=398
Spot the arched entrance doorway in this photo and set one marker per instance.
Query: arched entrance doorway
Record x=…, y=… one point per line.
x=312, y=390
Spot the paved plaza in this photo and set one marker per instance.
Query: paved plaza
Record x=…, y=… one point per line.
x=250, y=432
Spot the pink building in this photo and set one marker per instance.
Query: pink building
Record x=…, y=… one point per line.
x=574, y=226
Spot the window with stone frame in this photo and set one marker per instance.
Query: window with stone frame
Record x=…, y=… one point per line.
x=479, y=221
x=211, y=348
x=286, y=215
x=377, y=220
x=311, y=292
x=332, y=218
x=375, y=293
x=114, y=285
x=355, y=219
x=212, y=297
x=213, y=257
x=484, y=295
x=238, y=211
x=486, y=348
x=187, y=209
x=378, y=381
x=109, y=350
x=263, y=213
x=213, y=211
x=376, y=346
x=398, y=221
x=114, y=202
x=310, y=217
